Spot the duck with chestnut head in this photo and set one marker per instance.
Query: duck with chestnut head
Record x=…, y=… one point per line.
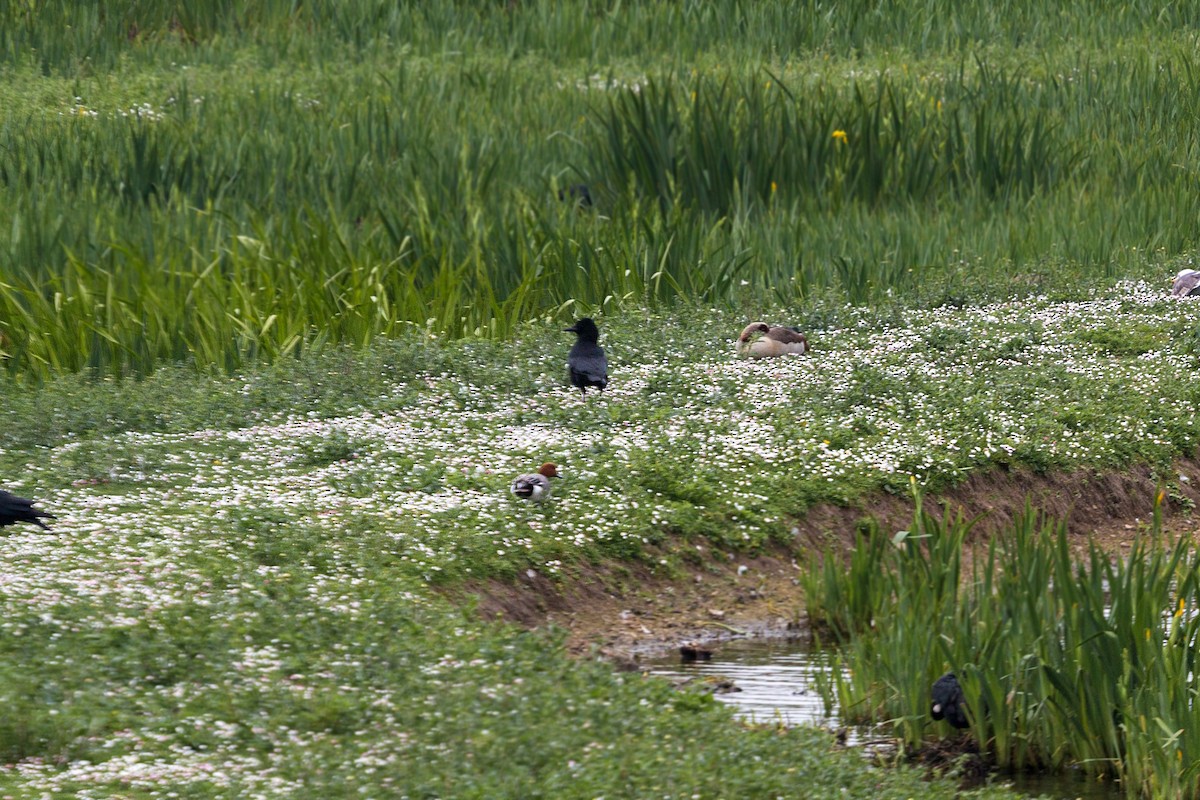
x=535, y=486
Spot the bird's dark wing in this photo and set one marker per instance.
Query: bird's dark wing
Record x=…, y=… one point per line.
x=587, y=362
x=577, y=192
x=15, y=509
x=786, y=335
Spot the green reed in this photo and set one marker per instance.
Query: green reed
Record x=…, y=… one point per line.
x=257, y=203
x=62, y=35
x=1064, y=660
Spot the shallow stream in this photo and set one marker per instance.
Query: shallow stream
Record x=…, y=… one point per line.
x=776, y=681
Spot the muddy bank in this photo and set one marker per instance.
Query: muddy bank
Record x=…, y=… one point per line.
x=622, y=610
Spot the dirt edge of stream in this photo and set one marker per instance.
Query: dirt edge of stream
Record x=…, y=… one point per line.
x=622, y=610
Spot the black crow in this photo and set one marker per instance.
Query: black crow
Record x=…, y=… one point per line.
x=15, y=509
x=948, y=703
x=586, y=361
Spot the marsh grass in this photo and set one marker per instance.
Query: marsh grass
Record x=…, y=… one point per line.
x=60, y=35
x=1065, y=660
x=292, y=696
x=189, y=186
x=727, y=152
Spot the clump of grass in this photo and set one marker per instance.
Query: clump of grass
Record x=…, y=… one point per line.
x=730, y=148
x=1064, y=661
x=336, y=445
x=1125, y=341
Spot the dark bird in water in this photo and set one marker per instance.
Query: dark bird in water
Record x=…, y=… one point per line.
x=15, y=509
x=586, y=361
x=577, y=193
x=948, y=702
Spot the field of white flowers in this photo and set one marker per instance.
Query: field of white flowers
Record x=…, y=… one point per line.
x=235, y=589
x=688, y=438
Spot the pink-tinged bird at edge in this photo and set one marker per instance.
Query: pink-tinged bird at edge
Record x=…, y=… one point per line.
x=1186, y=283
x=536, y=485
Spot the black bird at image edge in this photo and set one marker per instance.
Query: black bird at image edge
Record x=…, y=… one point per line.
x=15, y=509
x=586, y=362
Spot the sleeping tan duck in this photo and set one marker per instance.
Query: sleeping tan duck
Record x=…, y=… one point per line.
x=760, y=340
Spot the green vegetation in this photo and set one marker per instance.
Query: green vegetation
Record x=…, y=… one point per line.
x=244, y=181
x=244, y=658
x=1063, y=661
x=280, y=286
x=235, y=600
x=219, y=536
x=418, y=439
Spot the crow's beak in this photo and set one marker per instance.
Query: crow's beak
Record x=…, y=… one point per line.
x=571, y=330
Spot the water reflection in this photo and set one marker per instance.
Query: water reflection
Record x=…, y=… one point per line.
x=777, y=678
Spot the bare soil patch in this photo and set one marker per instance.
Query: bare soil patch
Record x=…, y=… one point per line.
x=623, y=610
